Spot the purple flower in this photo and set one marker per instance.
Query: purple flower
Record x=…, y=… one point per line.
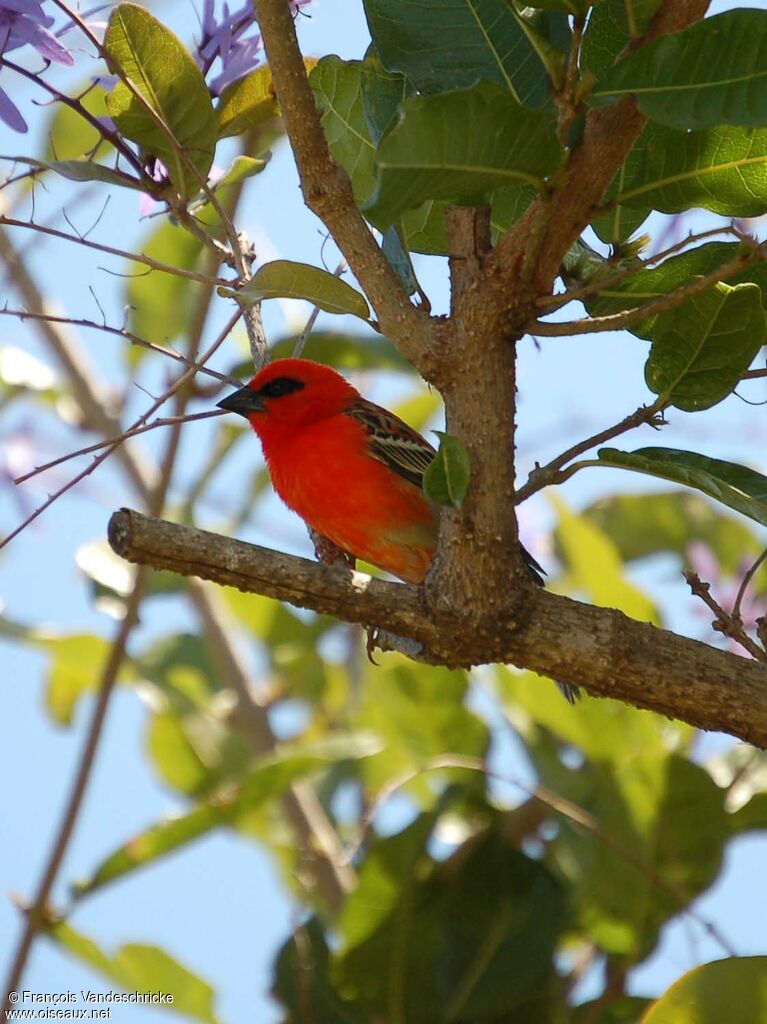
x=226, y=39
x=22, y=22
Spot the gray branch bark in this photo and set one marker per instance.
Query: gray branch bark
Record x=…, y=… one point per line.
x=598, y=648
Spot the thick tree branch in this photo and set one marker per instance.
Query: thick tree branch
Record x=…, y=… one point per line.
x=598, y=648
x=327, y=189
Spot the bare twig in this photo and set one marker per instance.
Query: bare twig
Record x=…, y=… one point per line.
x=135, y=257
x=120, y=332
x=724, y=622
x=552, y=302
x=553, y=472
x=37, y=914
x=627, y=318
x=178, y=383
x=744, y=584
x=165, y=421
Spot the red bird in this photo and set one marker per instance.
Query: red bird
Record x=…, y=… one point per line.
x=352, y=470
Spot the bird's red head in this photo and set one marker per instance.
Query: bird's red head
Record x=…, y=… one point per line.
x=290, y=393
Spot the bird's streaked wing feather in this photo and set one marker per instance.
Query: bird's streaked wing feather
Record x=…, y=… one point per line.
x=392, y=442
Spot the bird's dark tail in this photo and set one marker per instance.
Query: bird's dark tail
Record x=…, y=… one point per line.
x=570, y=693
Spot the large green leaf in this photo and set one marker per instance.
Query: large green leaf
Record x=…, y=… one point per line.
x=460, y=147
x=736, y=486
x=733, y=990
x=722, y=169
x=302, y=980
x=337, y=86
x=645, y=524
x=701, y=349
x=161, y=310
x=712, y=72
x=435, y=942
x=270, y=777
x=174, y=119
x=595, y=566
x=653, y=282
x=302, y=281
x=606, y=35
x=75, y=668
x=143, y=969
x=419, y=713
x=247, y=104
x=451, y=44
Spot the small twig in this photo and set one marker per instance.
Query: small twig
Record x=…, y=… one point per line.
x=37, y=912
x=300, y=345
x=627, y=318
x=74, y=104
x=164, y=268
x=178, y=383
x=553, y=473
x=165, y=421
x=723, y=623
x=120, y=332
x=552, y=302
x=745, y=584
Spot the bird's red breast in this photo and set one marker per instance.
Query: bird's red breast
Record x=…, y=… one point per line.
x=351, y=469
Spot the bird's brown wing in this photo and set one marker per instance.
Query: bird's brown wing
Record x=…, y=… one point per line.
x=392, y=442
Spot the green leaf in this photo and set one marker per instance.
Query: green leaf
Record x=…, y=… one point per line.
x=76, y=664
x=145, y=969
x=442, y=952
x=301, y=281
x=302, y=979
x=250, y=105
x=738, y=487
x=240, y=168
x=596, y=566
x=162, y=311
x=425, y=230
x=606, y=35
x=270, y=777
x=337, y=86
x=712, y=72
x=645, y=524
x=174, y=119
x=82, y=170
x=342, y=351
x=447, y=478
x=507, y=205
x=68, y=135
x=702, y=348
x=460, y=147
x=733, y=990
x=383, y=93
x=419, y=713
x=722, y=169
x=653, y=282
x=451, y=44
x=572, y=7
x=247, y=104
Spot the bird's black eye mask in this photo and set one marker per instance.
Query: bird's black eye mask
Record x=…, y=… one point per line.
x=247, y=401
x=280, y=386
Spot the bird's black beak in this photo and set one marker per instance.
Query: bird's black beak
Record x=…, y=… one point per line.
x=244, y=402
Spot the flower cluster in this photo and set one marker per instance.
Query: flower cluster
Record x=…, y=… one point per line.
x=228, y=39
x=23, y=22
